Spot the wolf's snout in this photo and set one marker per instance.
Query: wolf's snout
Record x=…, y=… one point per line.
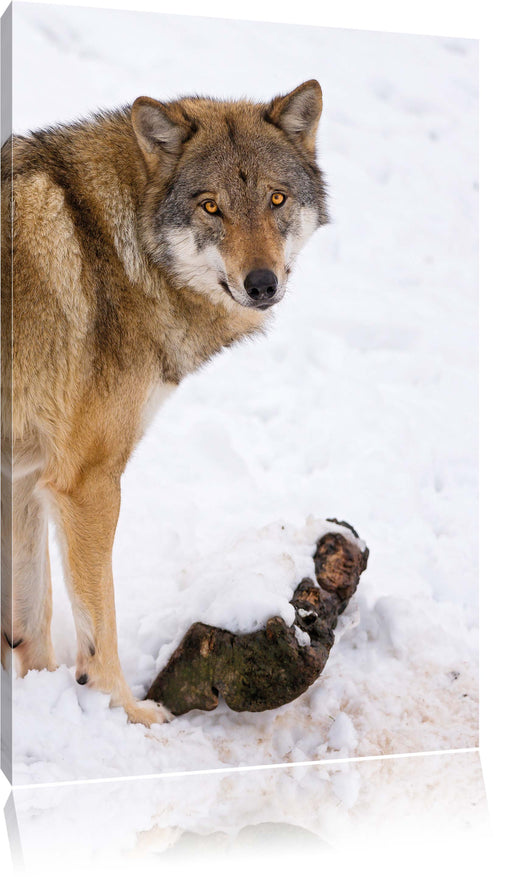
x=261, y=285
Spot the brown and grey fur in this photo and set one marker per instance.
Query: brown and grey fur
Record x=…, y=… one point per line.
x=122, y=285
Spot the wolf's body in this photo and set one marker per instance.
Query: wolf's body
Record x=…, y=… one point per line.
x=143, y=241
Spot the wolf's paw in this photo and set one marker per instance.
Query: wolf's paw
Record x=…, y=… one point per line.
x=107, y=677
x=34, y=654
x=147, y=712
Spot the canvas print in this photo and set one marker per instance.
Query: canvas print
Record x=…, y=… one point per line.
x=239, y=305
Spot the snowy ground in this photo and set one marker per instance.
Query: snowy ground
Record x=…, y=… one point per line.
x=359, y=403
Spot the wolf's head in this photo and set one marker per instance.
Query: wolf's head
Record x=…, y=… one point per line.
x=233, y=191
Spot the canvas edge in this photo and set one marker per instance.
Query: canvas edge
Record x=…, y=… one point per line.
x=6, y=459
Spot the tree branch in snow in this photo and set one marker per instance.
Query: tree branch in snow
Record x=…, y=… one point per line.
x=272, y=666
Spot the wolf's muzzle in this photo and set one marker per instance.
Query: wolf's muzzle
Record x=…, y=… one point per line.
x=261, y=286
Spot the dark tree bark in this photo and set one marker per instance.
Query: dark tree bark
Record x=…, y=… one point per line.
x=272, y=666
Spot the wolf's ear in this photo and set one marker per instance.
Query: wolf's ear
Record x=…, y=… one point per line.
x=160, y=129
x=298, y=113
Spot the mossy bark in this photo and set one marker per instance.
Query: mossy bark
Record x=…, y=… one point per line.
x=272, y=666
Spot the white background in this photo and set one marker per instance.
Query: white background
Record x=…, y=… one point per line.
x=457, y=19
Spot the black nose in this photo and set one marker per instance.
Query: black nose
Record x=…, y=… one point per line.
x=261, y=285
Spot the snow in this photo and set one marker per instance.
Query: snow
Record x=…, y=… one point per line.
x=359, y=403
x=342, y=734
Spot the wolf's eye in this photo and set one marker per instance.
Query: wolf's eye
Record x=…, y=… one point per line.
x=211, y=207
x=277, y=198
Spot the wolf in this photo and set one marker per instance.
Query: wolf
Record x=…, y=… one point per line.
x=136, y=244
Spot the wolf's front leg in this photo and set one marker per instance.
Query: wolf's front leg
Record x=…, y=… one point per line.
x=27, y=612
x=88, y=517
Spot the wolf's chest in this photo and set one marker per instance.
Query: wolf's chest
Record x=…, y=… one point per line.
x=157, y=395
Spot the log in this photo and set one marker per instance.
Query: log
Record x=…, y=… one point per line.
x=267, y=668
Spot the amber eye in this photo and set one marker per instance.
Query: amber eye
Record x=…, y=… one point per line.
x=277, y=198
x=211, y=207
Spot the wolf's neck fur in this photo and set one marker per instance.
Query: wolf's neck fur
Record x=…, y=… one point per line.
x=194, y=329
